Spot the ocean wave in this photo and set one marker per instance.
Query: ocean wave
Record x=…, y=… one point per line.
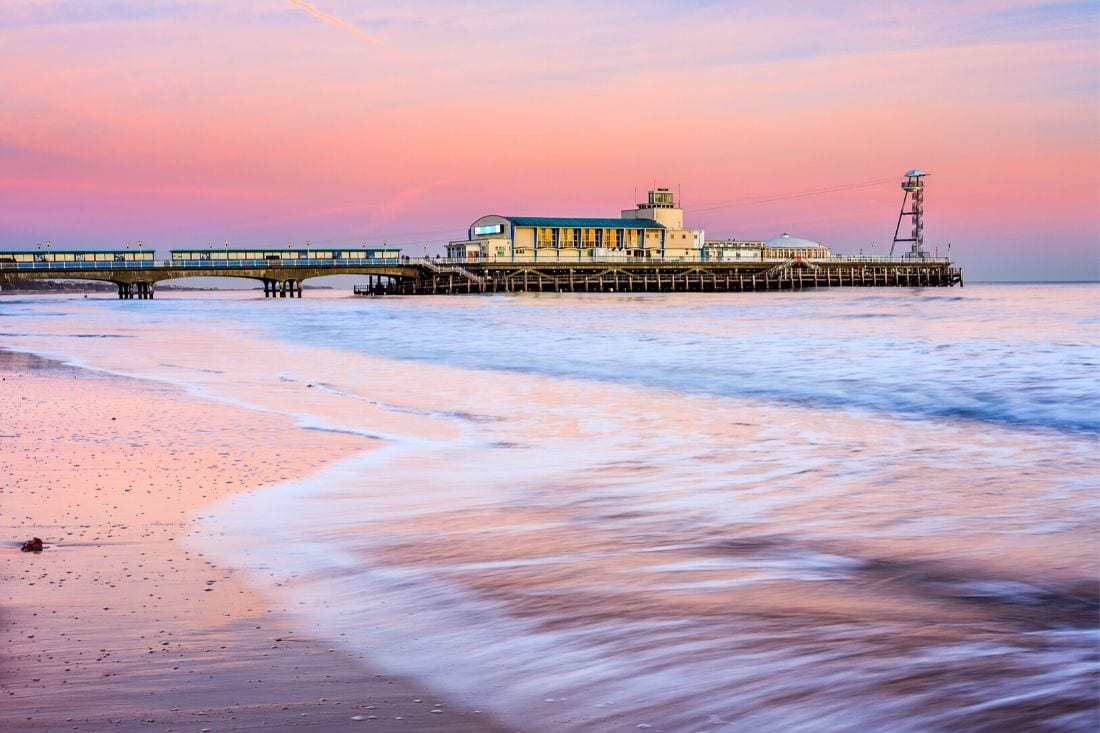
x=1020, y=357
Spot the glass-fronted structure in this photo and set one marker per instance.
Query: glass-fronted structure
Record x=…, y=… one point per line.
x=77, y=259
x=239, y=257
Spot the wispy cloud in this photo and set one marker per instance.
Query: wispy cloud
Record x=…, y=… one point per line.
x=350, y=29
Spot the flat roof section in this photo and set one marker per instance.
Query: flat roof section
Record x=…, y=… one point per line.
x=583, y=222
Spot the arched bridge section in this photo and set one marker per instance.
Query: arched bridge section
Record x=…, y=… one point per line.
x=278, y=280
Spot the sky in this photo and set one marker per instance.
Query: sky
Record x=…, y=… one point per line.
x=266, y=122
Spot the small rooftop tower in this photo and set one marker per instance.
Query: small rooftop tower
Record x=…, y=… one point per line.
x=661, y=207
x=659, y=199
x=913, y=184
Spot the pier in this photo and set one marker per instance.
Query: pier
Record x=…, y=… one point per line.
x=646, y=250
x=447, y=278
x=426, y=276
x=137, y=280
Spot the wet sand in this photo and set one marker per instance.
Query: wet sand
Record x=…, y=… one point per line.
x=121, y=623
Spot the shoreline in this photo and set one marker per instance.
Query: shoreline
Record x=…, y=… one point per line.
x=121, y=621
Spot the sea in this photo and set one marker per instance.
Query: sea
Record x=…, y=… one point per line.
x=827, y=510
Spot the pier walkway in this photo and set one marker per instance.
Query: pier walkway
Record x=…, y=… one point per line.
x=420, y=276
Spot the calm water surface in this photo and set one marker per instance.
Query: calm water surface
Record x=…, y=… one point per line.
x=834, y=510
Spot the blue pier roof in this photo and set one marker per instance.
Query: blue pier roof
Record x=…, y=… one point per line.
x=583, y=222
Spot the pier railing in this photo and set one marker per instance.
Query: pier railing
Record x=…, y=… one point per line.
x=80, y=265
x=456, y=264
x=448, y=268
x=632, y=260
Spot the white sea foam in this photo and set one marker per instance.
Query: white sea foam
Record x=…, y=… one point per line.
x=723, y=514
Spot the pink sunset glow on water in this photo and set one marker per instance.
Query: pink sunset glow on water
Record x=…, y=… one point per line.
x=725, y=512
x=271, y=121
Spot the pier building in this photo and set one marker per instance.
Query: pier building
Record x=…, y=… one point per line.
x=731, y=250
x=785, y=246
x=79, y=258
x=652, y=230
x=257, y=257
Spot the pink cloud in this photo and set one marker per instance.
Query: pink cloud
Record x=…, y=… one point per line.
x=263, y=121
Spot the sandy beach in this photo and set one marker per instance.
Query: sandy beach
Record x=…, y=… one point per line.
x=122, y=623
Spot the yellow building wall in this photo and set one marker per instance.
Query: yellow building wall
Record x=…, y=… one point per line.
x=498, y=249
x=525, y=237
x=683, y=244
x=669, y=218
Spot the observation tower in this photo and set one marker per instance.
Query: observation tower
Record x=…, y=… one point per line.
x=913, y=184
